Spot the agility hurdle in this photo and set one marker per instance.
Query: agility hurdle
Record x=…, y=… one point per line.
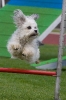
x=57, y=88
x=23, y=71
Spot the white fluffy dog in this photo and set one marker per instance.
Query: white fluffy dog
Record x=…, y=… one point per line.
x=23, y=42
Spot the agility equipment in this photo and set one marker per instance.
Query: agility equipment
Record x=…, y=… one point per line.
x=60, y=53
x=49, y=64
x=53, y=18
x=23, y=71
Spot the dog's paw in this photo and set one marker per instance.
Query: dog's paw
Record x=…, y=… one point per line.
x=23, y=55
x=16, y=47
x=27, y=56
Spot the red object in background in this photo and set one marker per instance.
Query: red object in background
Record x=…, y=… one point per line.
x=23, y=71
x=51, y=39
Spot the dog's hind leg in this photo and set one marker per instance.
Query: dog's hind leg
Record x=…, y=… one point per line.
x=37, y=62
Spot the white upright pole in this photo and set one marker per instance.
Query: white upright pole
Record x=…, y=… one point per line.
x=60, y=53
x=3, y=3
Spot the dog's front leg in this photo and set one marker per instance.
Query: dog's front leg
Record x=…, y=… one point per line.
x=14, y=49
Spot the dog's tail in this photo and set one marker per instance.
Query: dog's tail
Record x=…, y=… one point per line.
x=39, y=43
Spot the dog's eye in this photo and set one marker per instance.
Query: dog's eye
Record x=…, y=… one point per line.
x=29, y=27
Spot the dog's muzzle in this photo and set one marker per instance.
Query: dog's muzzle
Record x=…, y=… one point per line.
x=34, y=34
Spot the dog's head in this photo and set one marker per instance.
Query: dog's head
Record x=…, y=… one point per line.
x=27, y=24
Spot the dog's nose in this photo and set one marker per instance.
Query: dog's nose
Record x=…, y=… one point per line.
x=35, y=31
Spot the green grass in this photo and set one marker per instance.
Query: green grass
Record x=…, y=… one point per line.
x=30, y=87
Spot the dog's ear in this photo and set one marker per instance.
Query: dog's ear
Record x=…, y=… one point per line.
x=19, y=18
x=35, y=16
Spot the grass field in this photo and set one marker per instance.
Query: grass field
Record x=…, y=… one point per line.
x=30, y=87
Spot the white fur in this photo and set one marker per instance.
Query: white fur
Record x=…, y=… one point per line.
x=22, y=44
